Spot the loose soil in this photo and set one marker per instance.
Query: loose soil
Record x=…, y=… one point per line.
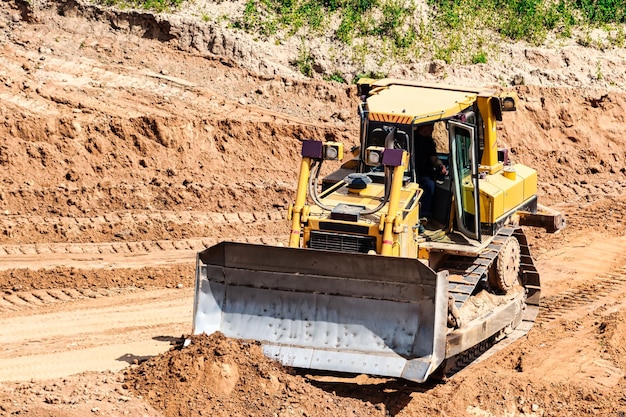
x=126, y=146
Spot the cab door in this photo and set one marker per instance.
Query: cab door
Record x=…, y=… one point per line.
x=464, y=170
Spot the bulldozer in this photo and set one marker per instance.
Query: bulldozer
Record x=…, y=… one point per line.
x=367, y=285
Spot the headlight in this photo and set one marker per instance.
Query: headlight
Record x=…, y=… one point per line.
x=333, y=151
x=509, y=101
x=374, y=155
x=508, y=104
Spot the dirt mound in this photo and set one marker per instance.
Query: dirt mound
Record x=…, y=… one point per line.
x=216, y=376
x=224, y=377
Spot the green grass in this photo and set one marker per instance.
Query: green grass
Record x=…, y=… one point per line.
x=335, y=76
x=456, y=31
x=154, y=5
x=529, y=20
x=602, y=11
x=480, y=58
x=305, y=60
x=451, y=33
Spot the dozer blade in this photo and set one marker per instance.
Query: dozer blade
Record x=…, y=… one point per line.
x=326, y=310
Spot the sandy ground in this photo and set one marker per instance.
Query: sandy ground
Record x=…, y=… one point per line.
x=124, y=153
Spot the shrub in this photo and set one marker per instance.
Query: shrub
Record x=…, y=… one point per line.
x=453, y=31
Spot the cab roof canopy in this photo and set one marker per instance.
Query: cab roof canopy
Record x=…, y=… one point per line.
x=400, y=101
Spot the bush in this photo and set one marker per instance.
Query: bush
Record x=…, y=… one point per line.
x=480, y=58
x=453, y=31
x=602, y=11
x=305, y=61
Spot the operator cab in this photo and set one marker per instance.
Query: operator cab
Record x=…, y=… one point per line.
x=442, y=195
x=386, y=135
x=454, y=138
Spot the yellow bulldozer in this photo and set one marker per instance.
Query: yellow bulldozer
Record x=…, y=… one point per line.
x=367, y=284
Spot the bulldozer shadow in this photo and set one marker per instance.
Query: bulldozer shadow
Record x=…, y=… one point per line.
x=391, y=395
x=133, y=359
x=173, y=340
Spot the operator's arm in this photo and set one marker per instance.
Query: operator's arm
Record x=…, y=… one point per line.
x=439, y=166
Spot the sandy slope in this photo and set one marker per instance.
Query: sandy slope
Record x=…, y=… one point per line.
x=124, y=153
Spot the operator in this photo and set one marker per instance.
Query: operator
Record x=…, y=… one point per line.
x=428, y=164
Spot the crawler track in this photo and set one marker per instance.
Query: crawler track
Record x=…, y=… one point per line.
x=477, y=272
x=568, y=304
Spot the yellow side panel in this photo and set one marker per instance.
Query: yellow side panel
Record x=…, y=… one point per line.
x=500, y=193
x=512, y=190
x=491, y=202
x=529, y=177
